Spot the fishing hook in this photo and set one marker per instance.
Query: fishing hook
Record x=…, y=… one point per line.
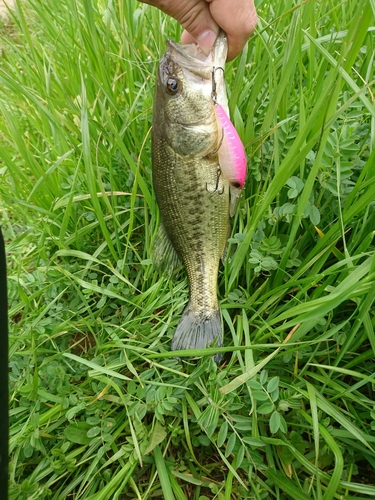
x=214, y=93
x=216, y=189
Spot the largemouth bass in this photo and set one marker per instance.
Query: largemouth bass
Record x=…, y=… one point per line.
x=199, y=169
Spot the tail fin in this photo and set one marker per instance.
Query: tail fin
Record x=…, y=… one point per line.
x=198, y=330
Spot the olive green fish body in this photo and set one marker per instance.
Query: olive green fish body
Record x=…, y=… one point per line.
x=194, y=204
x=193, y=197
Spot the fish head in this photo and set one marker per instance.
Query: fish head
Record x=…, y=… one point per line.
x=184, y=107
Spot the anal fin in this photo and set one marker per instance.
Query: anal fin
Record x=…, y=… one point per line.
x=164, y=256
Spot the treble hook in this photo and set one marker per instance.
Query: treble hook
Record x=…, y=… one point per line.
x=214, y=93
x=216, y=189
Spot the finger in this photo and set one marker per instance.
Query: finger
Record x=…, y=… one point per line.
x=205, y=40
x=195, y=17
x=238, y=19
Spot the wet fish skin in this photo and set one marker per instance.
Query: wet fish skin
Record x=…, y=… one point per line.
x=193, y=198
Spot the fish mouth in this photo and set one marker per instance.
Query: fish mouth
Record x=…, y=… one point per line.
x=192, y=58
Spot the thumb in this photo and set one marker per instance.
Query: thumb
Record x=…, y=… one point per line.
x=195, y=17
x=205, y=39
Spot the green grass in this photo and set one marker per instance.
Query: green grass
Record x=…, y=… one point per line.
x=100, y=408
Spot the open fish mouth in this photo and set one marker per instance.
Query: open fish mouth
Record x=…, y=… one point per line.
x=189, y=53
x=193, y=54
x=193, y=60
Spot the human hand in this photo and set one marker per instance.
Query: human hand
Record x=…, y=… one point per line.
x=202, y=20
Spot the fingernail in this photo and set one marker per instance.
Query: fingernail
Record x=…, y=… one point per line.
x=206, y=40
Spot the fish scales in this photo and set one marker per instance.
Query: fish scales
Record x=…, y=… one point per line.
x=192, y=217
x=192, y=195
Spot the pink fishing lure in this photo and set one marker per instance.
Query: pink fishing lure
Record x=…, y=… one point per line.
x=232, y=158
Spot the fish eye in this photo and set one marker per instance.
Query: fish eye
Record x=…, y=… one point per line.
x=172, y=85
x=236, y=185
